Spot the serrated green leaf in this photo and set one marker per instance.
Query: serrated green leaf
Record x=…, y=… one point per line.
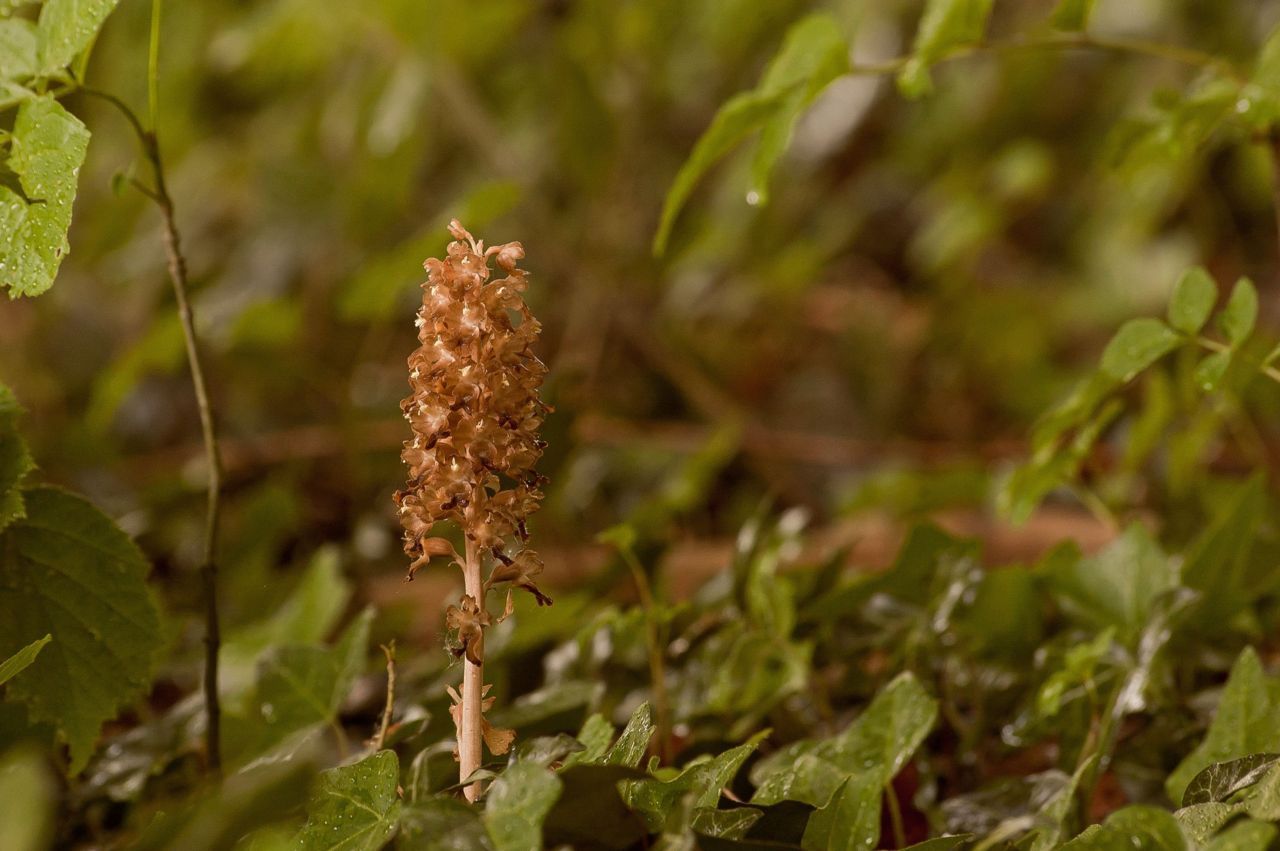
x=15, y=459
x=353, y=807
x=29, y=795
x=634, y=741
x=1221, y=780
x=1246, y=723
x=47, y=150
x=1193, y=299
x=1241, y=312
x=1138, y=344
x=517, y=804
x=66, y=27
x=68, y=571
x=945, y=25
x=1072, y=15
x=21, y=660
x=17, y=48
x=813, y=54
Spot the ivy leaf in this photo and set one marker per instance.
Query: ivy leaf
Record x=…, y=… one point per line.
x=1072, y=15
x=20, y=661
x=517, y=804
x=48, y=147
x=590, y=811
x=441, y=824
x=1140, y=827
x=654, y=800
x=1241, y=313
x=1193, y=299
x=1246, y=835
x=17, y=48
x=878, y=743
x=850, y=822
x=634, y=741
x=945, y=25
x=1247, y=722
x=812, y=55
x=1218, y=562
x=1118, y=586
x=1223, y=779
x=66, y=27
x=299, y=685
x=15, y=460
x=67, y=570
x=353, y=807
x=1138, y=344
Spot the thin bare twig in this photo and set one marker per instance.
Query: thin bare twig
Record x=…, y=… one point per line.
x=177, y=267
x=388, y=650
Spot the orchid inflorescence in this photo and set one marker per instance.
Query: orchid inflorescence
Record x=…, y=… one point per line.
x=475, y=413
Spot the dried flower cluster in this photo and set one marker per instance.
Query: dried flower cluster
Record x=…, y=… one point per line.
x=475, y=414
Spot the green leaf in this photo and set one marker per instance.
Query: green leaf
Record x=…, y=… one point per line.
x=1221, y=780
x=590, y=811
x=1193, y=299
x=813, y=54
x=67, y=27
x=517, y=804
x=941, y=843
x=29, y=796
x=68, y=571
x=1138, y=344
x=634, y=741
x=1134, y=828
x=1217, y=563
x=48, y=148
x=850, y=822
x=725, y=824
x=15, y=460
x=1241, y=313
x=1072, y=15
x=1210, y=371
x=595, y=736
x=1248, y=835
x=945, y=25
x=17, y=48
x=655, y=800
x=1201, y=821
x=1118, y=586
x=878, y=744
x=307, y=616
x=1263, y=801
x=353, y=807
x=299, y=685
x=1246, y=723
x=441, y=824
x=19, y=661
x=1077, y=669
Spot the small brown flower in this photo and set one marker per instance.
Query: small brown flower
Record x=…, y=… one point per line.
x=469, y=621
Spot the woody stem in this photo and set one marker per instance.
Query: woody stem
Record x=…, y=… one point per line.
x=470, y=753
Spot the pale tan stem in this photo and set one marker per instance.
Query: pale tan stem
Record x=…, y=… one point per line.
x=470, y=743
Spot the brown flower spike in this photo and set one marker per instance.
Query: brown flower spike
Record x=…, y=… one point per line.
x=475, y=413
